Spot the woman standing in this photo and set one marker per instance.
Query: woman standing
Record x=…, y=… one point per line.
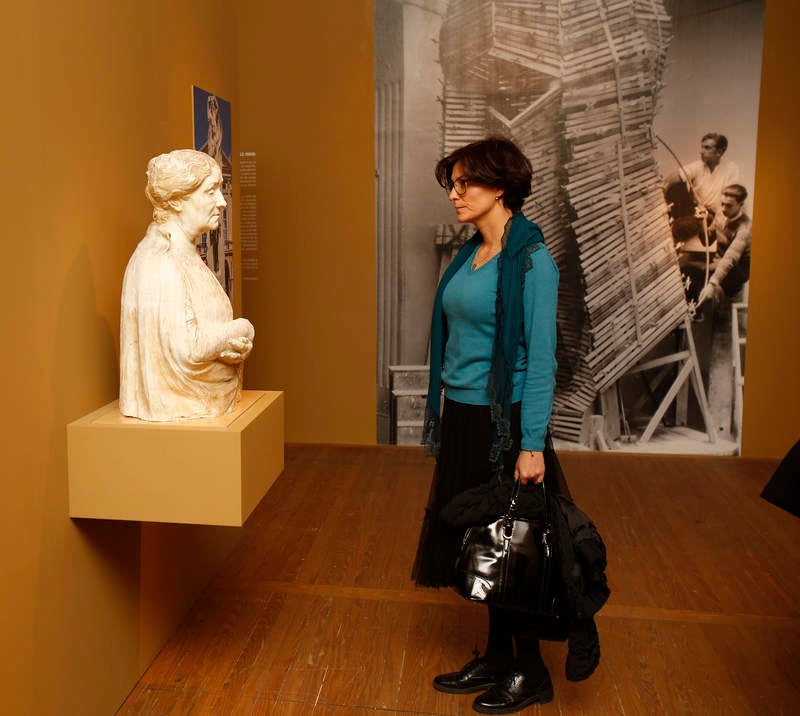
x=493, y=340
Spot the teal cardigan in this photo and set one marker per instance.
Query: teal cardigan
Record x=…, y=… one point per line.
x=522, y=239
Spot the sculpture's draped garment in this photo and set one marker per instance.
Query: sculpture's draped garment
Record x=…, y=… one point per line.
x=174, y=322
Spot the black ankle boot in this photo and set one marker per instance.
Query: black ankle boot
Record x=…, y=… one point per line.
x=513, y=693
x=478, y=675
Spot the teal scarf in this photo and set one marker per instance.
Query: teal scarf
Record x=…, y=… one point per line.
x=522, y=239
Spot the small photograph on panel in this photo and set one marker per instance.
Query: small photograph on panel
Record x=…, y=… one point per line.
x=212, y=135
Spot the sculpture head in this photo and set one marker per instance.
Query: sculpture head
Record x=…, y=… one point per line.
x=184, y=185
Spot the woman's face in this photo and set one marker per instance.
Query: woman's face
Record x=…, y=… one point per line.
x=202, y=209
x=476, y=202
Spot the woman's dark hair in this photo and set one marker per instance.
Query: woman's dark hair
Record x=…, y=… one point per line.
x=496, y=162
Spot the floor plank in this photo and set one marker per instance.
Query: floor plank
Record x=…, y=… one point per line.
x=315, y=613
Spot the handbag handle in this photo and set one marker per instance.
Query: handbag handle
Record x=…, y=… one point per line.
x=512, y=503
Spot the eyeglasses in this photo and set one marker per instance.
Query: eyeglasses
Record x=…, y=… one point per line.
x=460, y=185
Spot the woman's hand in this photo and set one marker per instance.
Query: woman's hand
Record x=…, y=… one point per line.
x=530, y=467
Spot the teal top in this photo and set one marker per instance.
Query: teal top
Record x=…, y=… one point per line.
x=521, y=241
x=469, y=307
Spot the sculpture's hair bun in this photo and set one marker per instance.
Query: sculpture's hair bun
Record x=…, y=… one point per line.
x=175, y=175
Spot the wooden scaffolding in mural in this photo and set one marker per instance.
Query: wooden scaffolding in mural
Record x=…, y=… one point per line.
x=575, y=83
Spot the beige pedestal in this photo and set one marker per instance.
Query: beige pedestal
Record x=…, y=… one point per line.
x=210, y=471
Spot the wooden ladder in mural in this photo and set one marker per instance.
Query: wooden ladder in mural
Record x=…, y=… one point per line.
x=409, y=391
x=689, y=369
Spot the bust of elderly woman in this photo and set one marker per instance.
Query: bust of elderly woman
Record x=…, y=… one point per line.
x=181, y=350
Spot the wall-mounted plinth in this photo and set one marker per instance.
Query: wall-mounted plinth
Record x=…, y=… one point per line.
x=211, y=471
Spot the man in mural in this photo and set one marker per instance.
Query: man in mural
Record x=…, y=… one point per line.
x=729, y=270
x=694, y=197
x=732, y=229
x=709, y=175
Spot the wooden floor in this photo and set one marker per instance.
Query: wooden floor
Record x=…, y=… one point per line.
x=314, y=613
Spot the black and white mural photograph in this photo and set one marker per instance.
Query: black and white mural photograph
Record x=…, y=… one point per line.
x=639, y=118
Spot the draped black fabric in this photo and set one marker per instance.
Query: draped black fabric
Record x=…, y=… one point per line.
x=463, y=464
x=580, y=549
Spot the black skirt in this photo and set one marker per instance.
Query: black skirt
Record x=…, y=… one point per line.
x=463, y=463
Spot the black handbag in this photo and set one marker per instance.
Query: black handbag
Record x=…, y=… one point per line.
x=511, y=563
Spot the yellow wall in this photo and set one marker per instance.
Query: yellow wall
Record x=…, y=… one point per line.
x=93, y=89
x=772, y=384
x=306, y=89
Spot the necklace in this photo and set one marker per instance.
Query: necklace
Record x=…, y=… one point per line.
x=488, y=256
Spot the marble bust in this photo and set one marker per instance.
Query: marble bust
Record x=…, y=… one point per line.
x=181, y=350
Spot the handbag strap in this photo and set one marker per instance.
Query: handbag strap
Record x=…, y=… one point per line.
x=547, y=530
x=548, y=525
x=512, y=502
